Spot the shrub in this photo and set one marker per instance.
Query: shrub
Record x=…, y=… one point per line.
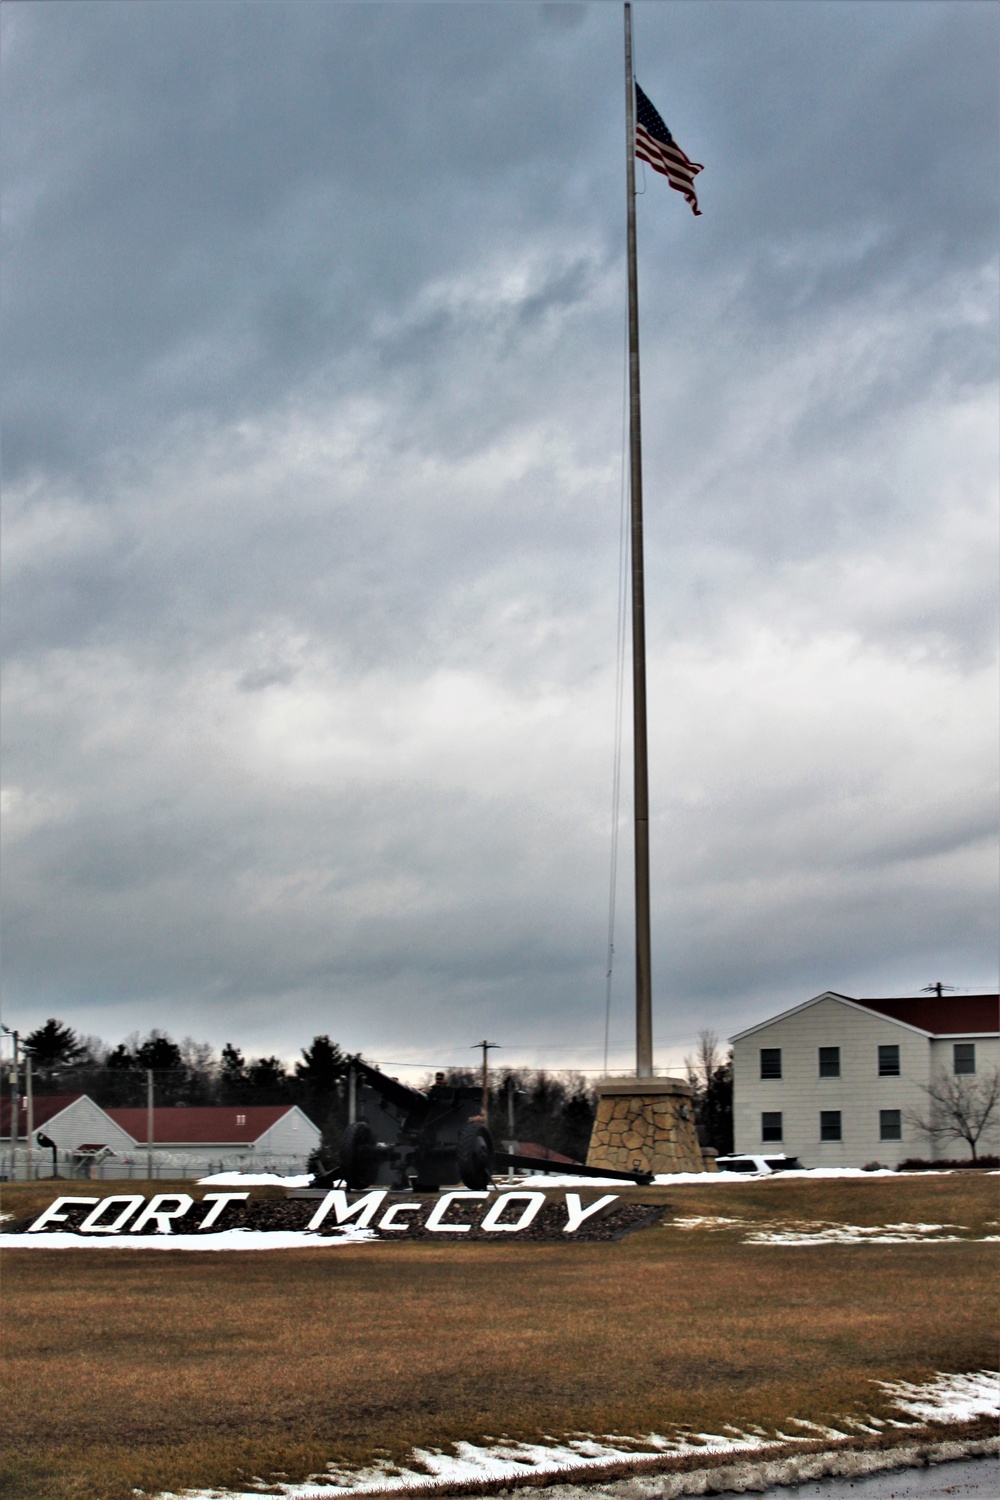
x=918, y=1164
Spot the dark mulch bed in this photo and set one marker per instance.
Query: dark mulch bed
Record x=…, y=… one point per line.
x=611, y=1223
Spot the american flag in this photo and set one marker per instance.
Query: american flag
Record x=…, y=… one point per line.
x=655, y=144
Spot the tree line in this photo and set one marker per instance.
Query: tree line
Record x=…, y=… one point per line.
x=550, y=1109
x=554, y=1110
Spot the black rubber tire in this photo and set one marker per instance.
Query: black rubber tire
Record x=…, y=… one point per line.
x=475, y=1157
x=358, y=1160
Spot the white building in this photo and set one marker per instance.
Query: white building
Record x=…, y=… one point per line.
x=80, y=1130
x=836, y=1081
x=188, y=1141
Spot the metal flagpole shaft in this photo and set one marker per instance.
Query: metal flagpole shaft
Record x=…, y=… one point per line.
x=643, y=977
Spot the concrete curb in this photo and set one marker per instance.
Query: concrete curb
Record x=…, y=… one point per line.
x=753, y=1476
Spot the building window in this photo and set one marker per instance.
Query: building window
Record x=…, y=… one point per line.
x=241, y=1119
x=770, y=1062
x=829, y=1125
x=965, y=1057
x=890, y=1125
x=770, y=1125
x=829, y=1063
x=888, y=1065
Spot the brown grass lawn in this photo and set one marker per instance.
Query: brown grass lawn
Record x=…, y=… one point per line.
x=150, y=1370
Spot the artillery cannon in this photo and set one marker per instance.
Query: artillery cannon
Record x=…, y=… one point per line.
x=406, y=1138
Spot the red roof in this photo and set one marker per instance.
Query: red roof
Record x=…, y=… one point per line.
x=44, y=1106
x=202, y=1124
x=943, y=1015
x=542, y=1153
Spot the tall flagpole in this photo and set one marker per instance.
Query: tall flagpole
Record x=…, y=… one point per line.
x=643, y=977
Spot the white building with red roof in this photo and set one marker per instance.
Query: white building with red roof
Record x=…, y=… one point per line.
x=187, y=1141
x=80, y=1130
x=837, y=1082
x=217, y=1137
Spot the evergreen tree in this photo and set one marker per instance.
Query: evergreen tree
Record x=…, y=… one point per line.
x=159, y=1053
x=267, y=1082
x=54, y=1049
x=322, y=1067
x=232, y=1078
x=320, y=1080
x=711, y=1078
x=122, y=1081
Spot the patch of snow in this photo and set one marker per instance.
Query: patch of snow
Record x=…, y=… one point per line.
x=944, y=1398
x=947, y=1398
x=706, y=1179
x=566, y=1180
x=704, y=1221
x=505, y=1460
x=857, y=1234
x=697, y=1179
x=824, y=1232
x=257, y=1179
x=225, y=1239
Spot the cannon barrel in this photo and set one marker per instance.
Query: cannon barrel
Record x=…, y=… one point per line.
x=570, y=1169
x=391, y=1090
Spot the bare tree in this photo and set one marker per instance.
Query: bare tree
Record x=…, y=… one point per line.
x=960, y=1107
x=702, y=1066
x=710, y=1074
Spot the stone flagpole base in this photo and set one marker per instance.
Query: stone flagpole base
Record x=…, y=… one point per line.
x=647, y=1125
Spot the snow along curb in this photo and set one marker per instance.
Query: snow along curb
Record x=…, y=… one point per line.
x=745, y=1476
x=693, y=1464
x=753, y=1476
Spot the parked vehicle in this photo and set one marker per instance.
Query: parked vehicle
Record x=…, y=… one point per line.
x=764, y=1165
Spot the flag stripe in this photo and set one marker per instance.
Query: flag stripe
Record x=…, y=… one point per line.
x=654, y=144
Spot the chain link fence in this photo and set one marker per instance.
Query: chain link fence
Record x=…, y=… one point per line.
x=34, y=1164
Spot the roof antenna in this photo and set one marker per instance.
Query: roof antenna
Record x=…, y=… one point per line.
x=939, y=989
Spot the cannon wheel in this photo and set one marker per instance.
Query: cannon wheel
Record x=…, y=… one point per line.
x=475, y=1156
x=357, y=1155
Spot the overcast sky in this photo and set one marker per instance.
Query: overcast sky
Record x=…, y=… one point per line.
x=312, y=439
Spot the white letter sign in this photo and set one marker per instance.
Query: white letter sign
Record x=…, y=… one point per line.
x=441, y=1208
x=52, y=1214
x=220, y=1201
x=388, y=1219
x=366, y=1208
x=533, y=1203
x=159, y=1211
x=90, y=1224
x=575, y=1213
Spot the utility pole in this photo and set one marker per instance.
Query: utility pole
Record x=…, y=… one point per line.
x=352, y=1095
x=29, y=1133
x=640, y=757
x=486, y=1046
x=149, y=1123
x=15, y=1104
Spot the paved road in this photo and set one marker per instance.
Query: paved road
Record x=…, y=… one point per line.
x=975, y=1478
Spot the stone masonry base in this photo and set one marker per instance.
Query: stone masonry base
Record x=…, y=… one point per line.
x=646, y=1125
